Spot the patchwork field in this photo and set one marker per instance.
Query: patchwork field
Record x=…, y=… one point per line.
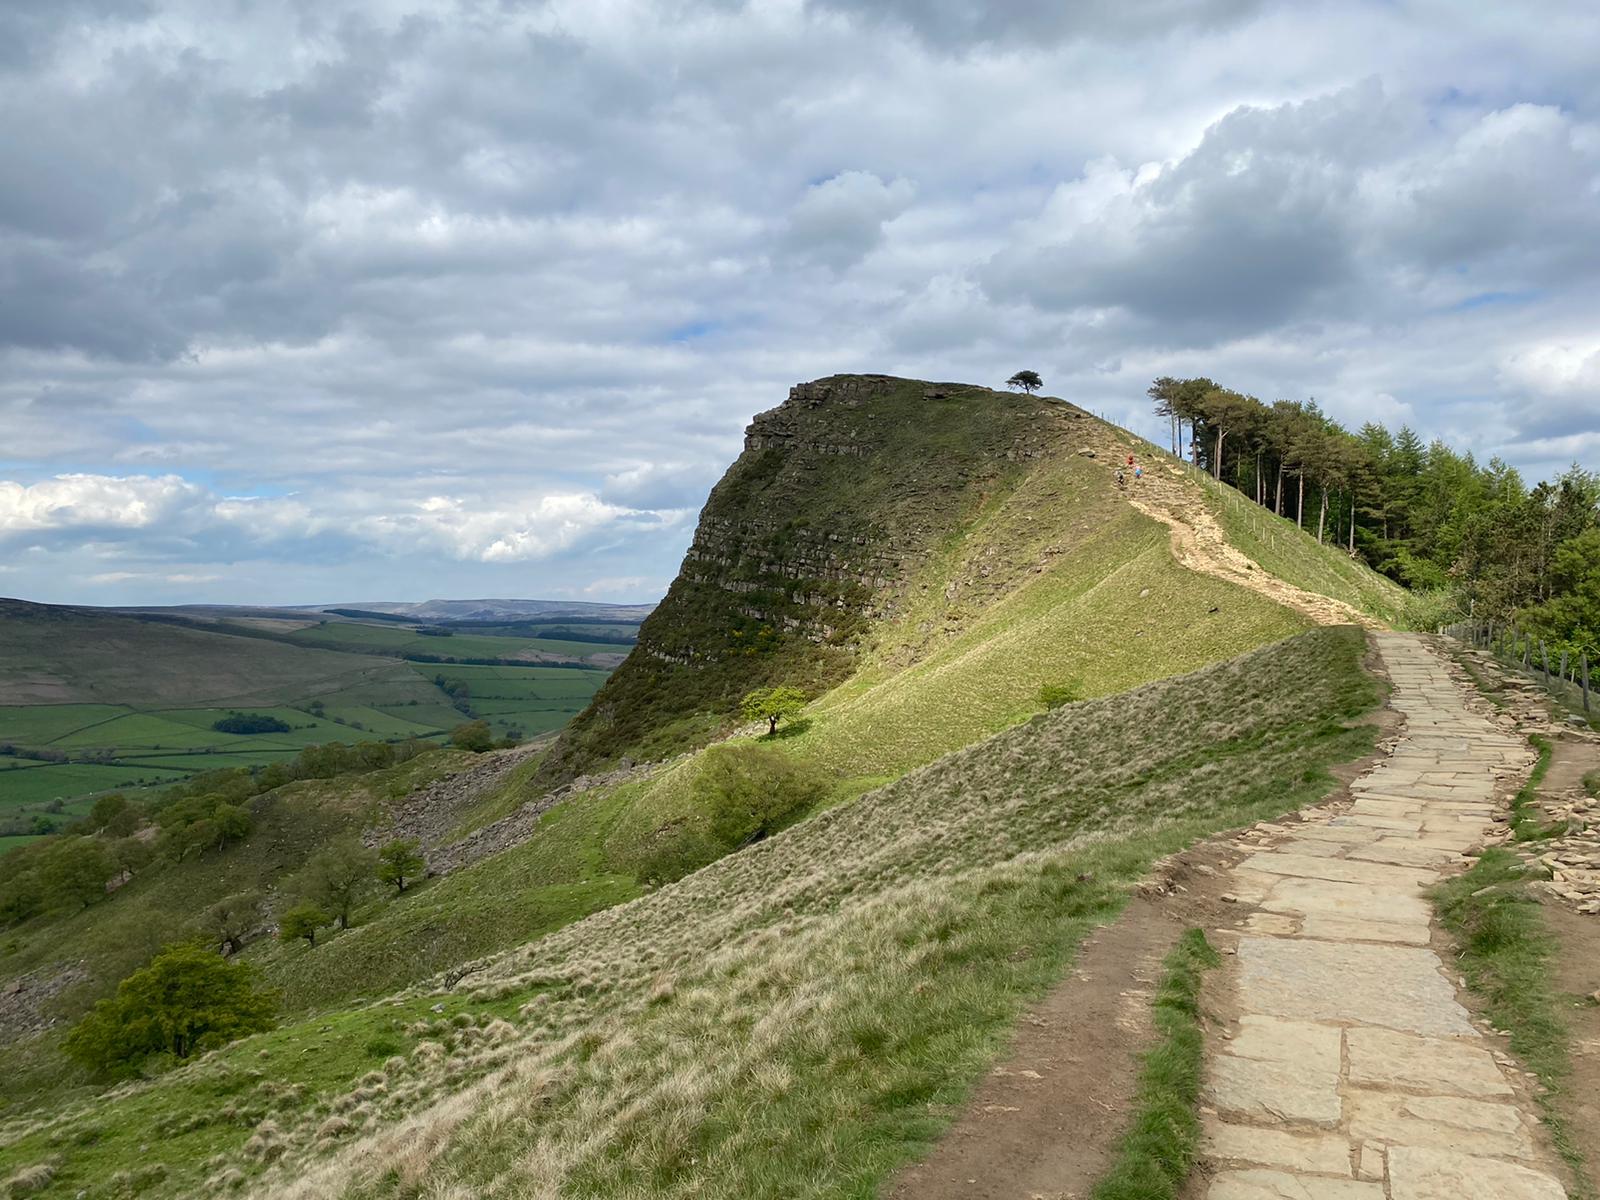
x=78, y=717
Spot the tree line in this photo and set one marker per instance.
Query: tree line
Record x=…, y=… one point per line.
x=1423, y=514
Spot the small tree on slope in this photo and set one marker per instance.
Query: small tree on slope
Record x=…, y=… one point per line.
x=399, y=862
x=772, y=705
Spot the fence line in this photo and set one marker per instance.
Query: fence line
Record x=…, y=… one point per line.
x=1514, y=646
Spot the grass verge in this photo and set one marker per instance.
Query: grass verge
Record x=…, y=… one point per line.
x=1155, y=1155
x=1525, y=823
x=1505, y=955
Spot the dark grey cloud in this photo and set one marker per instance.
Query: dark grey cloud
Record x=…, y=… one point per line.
x=961, y=24
x=325, y=298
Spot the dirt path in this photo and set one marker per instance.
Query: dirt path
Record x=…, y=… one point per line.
x=1349, y=1069
x=1167, y=494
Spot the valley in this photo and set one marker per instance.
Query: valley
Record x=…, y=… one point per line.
x=93, y=701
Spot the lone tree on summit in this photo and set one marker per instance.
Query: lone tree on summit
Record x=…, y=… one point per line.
x=772, y=705
x=1028, y=381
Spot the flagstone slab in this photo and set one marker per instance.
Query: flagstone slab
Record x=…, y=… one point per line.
x=1257, y=1088
x=1318, y=846
x=1315, y=1153
x=1403, y=853
x=1363, y=901
x=1349, y=929
x=1404, y=824
x=1278, y=862
x=1419, y=1173
x=1398, y=987
x=1440, y=1122
x=1281, y=1185
x=1385, y=1059
x=1315, y=1048
x=1354, y=835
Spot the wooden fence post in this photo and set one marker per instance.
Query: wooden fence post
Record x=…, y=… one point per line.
x=1585, y=681
x=1544, y=658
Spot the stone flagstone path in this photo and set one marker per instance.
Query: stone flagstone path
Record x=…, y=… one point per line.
x=1353, y=1072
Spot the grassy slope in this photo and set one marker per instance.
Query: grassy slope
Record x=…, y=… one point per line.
x=803, y=545
x=796, y=1018
x=51, y=655
x=111, y=939
x=1506, y=956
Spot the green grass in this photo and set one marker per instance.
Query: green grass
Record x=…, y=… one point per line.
x=805, y=1015
x=112, y=938
x=1154, y=1157
x=1506, y=955
x=1526, y=825
x=158, y=745
x=394, y=639
x=1295, y=556
x=68, y=781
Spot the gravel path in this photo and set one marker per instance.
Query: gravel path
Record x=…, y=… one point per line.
x=1352, y=1071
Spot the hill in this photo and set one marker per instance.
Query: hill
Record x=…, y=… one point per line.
x=923, y=559
x=53, y=654
x=802, y=1010
x=873, y=525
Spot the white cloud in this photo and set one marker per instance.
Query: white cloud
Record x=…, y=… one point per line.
x=839, y=221
x=543, y=261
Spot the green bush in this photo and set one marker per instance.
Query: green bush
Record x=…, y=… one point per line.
x=746, y=793
x=1054, y=695
x=187, y=999
x=472, y=735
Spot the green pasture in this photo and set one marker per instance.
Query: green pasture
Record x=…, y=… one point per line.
x=66, y=781
x=400, y=640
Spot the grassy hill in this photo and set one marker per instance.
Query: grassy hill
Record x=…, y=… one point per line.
x=799, y=1015
x=922, y=558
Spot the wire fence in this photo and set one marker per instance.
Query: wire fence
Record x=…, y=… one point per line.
x=1566, y=677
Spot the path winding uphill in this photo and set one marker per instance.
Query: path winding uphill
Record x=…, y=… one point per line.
x=1349, y=1070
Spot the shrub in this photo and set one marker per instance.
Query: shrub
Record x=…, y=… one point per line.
x=472, y=735
x=335, y=878
x=187, y=999
x=750, y=791
x=772, y=705
x=1054, y=695
x=231, y=919
x=302, y=921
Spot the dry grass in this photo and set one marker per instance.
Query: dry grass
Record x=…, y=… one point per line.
x=797, y=1019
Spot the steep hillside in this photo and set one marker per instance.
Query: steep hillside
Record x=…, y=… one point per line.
x=872, y=522
x=795, y=1019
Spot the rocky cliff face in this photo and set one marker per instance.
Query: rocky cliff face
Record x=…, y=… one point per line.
x=842, y=495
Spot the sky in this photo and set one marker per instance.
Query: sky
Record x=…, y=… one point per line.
x=312, y=301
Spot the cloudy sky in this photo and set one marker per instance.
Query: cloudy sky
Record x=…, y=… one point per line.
x=305, y=300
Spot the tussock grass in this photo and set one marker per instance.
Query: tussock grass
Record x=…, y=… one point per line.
x=1155, y=1156
x=1506, y=957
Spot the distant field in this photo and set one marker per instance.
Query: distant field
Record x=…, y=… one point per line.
x=151, y=747
x=396, y=639
x=132, y=699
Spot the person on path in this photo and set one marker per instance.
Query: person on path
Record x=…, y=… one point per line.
x=1122, y=480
